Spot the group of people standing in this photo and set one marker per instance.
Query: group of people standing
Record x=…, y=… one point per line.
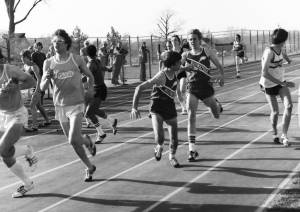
x=75, y=96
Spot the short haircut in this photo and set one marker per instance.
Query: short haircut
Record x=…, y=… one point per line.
x=39, y=44
x=279, y=36
x=26, y=53
x=195, y=32
x=62, y=33
x=170, y=58
x=91, y=50
x=238, y=35
x=176, y=37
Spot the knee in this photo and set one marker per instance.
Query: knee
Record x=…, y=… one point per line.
x=275, y=113
x=289, y=107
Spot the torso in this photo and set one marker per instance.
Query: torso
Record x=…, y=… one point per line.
x=196, y=76
x=13, y=100
x=67, y=85
x=167, y=91
x=275, y=69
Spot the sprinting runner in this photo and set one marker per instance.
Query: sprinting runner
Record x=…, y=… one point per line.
x=65, y=69
x=239, y=49
x=35, y=104
x=163, y=108
x=13, y=116
x=176, y=46
x=199, y=85
x=93, y=104
x=273, y=83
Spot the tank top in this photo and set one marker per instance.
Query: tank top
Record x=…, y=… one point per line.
x=13, y=100
x=237, y=46
x=166, y=92
x=67, y=85
x=197, y=76
x=275, y=69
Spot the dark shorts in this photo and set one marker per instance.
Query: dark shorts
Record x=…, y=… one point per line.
x=241, y=54
x=166, y=109
x=273, y=91
x=101, y=92
x=201, y=92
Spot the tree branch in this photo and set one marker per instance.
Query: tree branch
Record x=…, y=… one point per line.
x=16, y=5
x=33, y=6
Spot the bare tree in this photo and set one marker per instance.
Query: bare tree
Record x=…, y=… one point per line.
x=167, y=25
x=11, y=7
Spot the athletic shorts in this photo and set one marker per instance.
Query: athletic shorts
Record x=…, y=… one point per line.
x=241, y=54
x=64, y=113
x=101, y=92
x=273, y=91
x=201, y=92
x=166, y=109
x=7, y=119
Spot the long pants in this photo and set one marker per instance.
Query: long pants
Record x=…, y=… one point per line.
x=143, y=72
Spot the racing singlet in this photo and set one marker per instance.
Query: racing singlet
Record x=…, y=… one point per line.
x=237, y=46
x=195, y=76
x=67, y=86
x=275, y=69
x=165, y=92
x=11, y=101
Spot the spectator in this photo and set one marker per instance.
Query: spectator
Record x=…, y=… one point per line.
x=83, y=52
x=38, y=57
x=143, y=57
x=2, y=58
x=119, y=54
x=104, y=54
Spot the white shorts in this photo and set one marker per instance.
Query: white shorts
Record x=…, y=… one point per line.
x=64, y=113
x=7, y=119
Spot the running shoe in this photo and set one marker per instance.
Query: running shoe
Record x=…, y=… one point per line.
x=114, y=126
x=276, y=139
x=285, y=141
x=91, y=147
x=100, y=138
x=89, y=174
x=31, y=129
x=183, y=112
x=22, y=190
x=192, y=156
x=158, y=152
x=31, y=159
x=174, y=162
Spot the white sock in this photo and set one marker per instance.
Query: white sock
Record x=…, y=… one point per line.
x=171, y=156
x=18, y=170
x=191, y=147
x=99, y=130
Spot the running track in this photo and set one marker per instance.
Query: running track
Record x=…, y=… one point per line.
x=239, y=168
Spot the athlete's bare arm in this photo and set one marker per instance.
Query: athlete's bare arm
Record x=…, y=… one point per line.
x=47, y=75
x=216, y=62
x=26, y=81
x=84, y=70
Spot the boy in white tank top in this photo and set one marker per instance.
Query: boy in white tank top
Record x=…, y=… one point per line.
x=273, y=83
x=64, y=70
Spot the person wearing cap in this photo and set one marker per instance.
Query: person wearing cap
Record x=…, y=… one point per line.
x=162, y=107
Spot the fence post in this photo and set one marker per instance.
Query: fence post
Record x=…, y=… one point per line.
x=250, y=38
x=151, y=43
x=149, y=63
x=222, y=56
x=97, y=43
x=129, y=43
x=254, y=52
x=294, y=41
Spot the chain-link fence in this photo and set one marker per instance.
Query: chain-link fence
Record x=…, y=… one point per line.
x=255, y=41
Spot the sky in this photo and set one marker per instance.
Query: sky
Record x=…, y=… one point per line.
x=140, y=17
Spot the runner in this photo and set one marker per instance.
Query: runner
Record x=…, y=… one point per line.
x=239, y=49
x=176, y=44
x=93, y=104
x=273, y=83
x=64, y=70
x=162, y=109
x=35, y=104
x=13, y=116
x=198, y=84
